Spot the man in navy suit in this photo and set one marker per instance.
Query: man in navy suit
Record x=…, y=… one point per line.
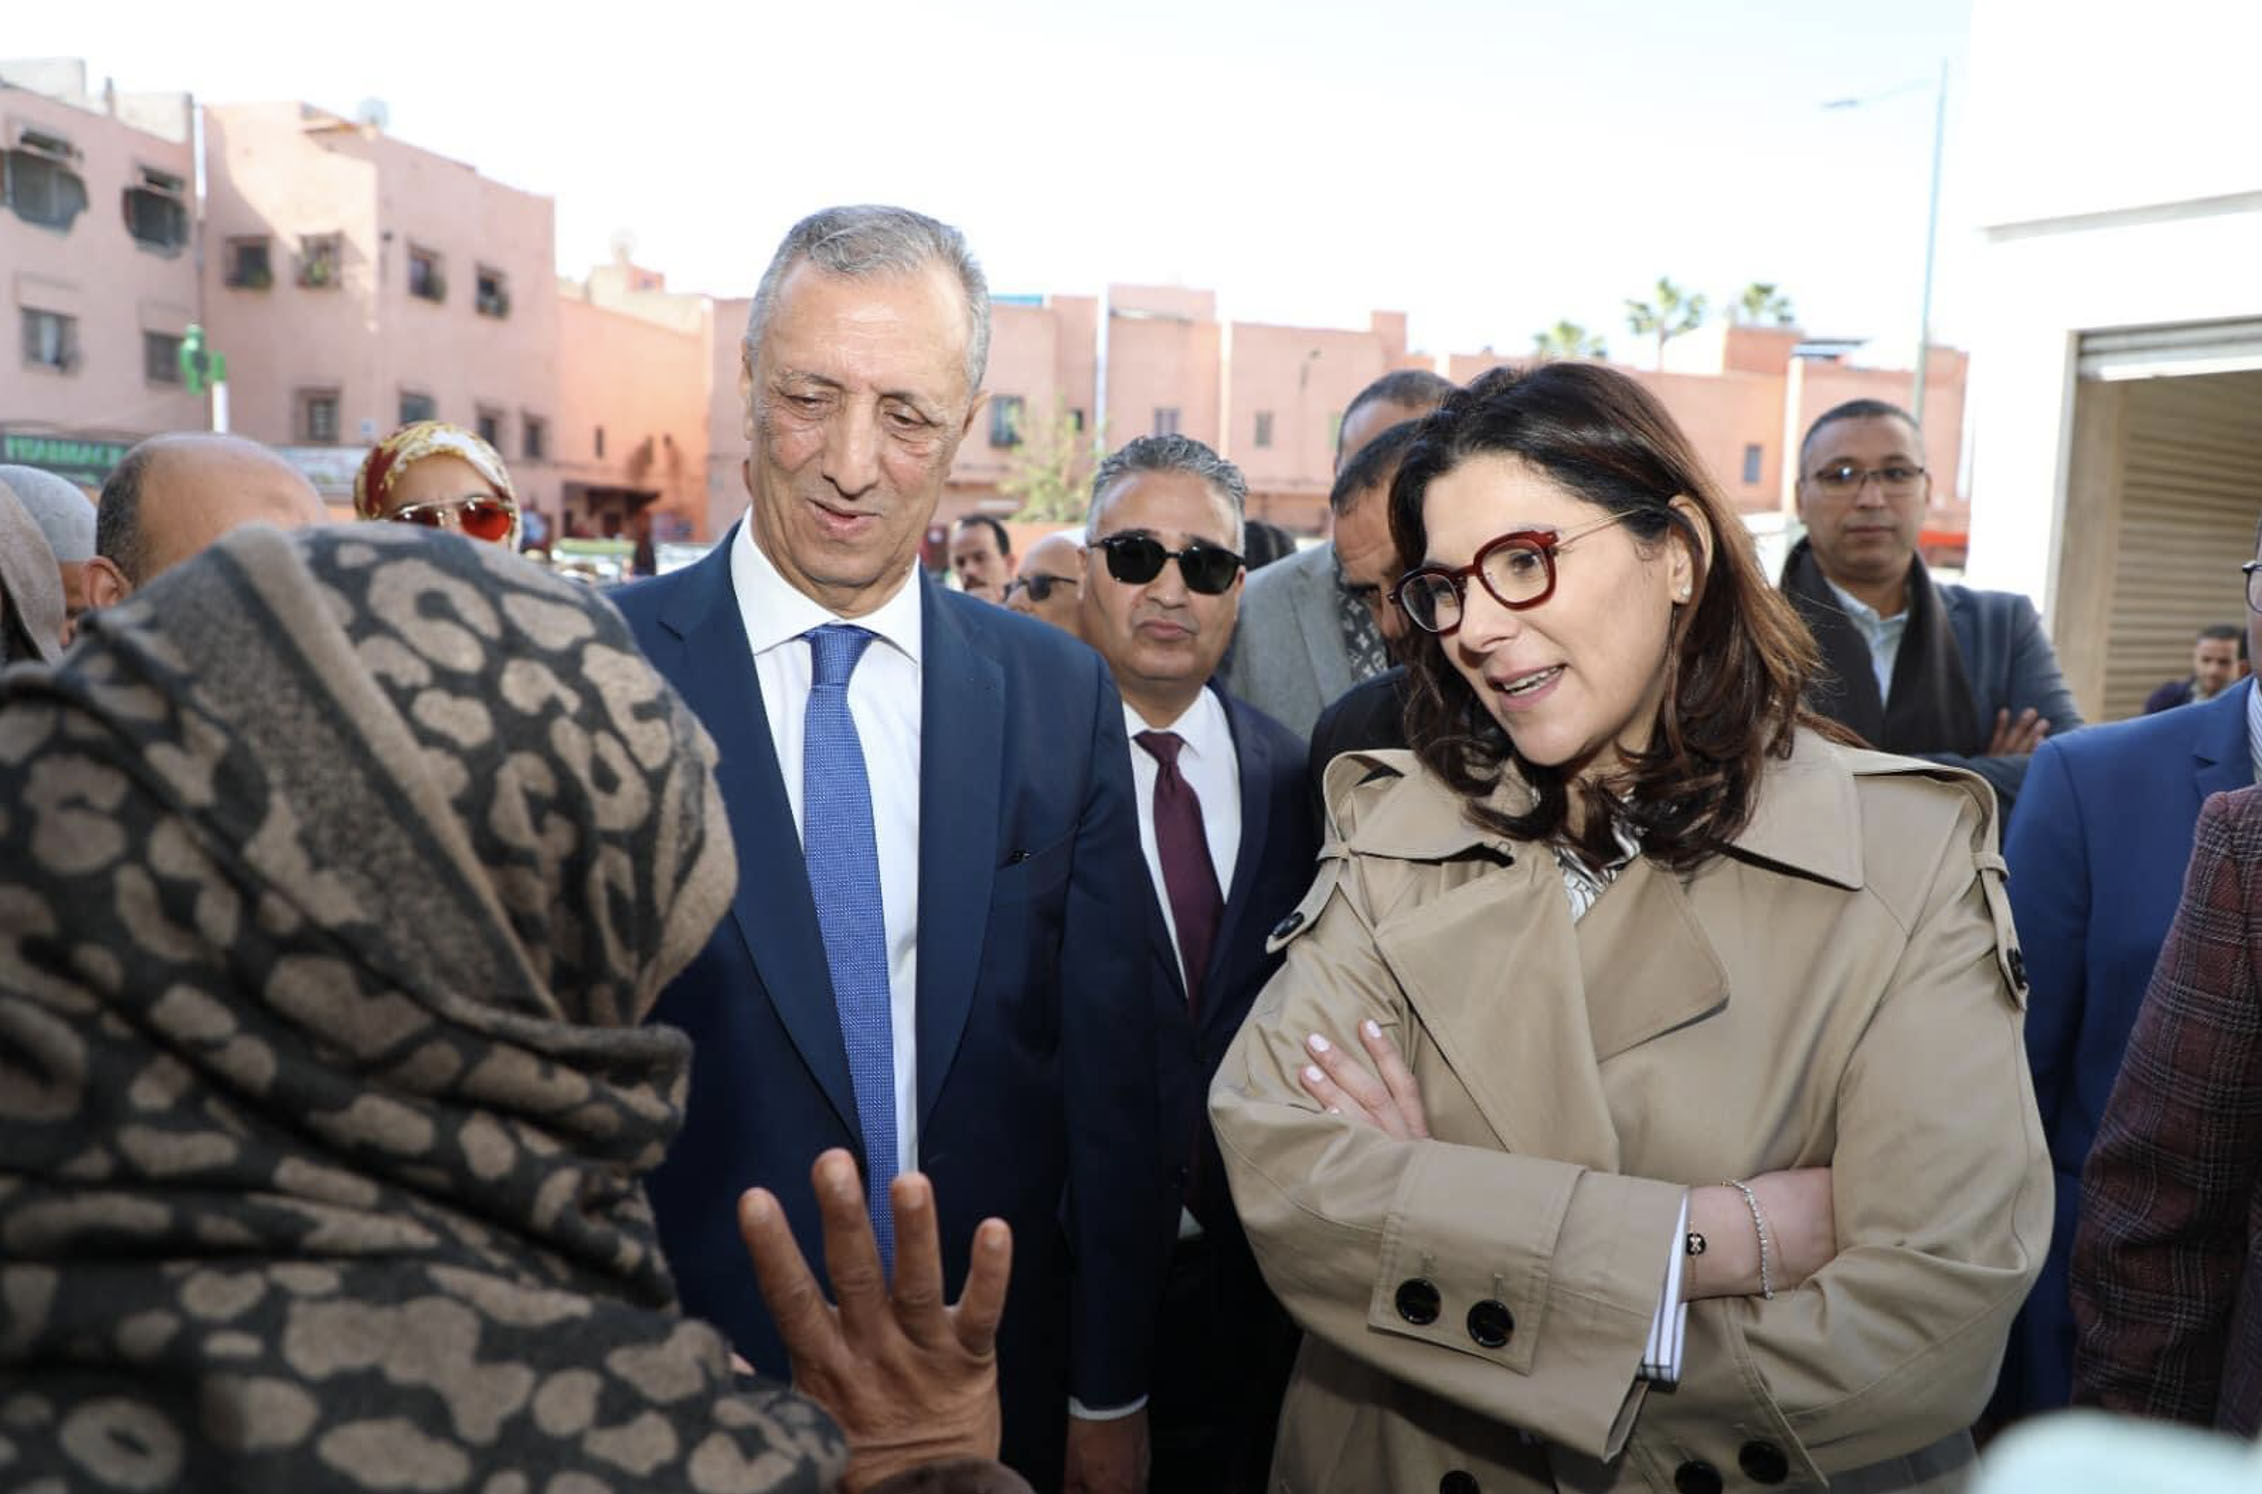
x=1227, y=827
x=932, y=802
x=2098, y=845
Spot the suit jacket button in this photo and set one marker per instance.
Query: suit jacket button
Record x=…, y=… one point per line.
x=1764, y=1463
x=1288, y=925
x=1490, y=1323
x=1458, y=1482
x=1694, y=1477
x=1418, y=1302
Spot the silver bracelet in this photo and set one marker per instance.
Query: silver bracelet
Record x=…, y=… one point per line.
x=1758, y=1223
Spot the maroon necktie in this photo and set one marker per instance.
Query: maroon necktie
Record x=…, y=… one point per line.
x=1188, y=874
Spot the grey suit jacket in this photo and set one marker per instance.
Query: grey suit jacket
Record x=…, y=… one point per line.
x=2011, y=666
x=1288, y=658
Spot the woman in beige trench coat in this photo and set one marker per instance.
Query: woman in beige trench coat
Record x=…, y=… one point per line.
x=1646, y=936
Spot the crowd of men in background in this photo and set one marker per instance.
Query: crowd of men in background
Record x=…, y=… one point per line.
x=1192, y=702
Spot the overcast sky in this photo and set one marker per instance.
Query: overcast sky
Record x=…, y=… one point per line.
x=1485, y=165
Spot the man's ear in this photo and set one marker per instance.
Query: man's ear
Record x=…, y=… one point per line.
x=106, y=585
x=746, y=390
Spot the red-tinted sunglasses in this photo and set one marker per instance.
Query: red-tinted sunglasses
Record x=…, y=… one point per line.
x=488, y=519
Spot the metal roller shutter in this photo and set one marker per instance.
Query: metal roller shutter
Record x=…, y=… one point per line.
x=2191, y=491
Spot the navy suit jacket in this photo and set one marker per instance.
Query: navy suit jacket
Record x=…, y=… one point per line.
x=1271, y=873
x=2098, y=844
x=1037, y=1096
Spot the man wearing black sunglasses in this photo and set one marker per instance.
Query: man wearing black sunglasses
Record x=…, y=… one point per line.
x=1229, y=835
x=1050, y=584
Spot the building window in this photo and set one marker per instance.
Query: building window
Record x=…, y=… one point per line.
x=599, y=443
x=38, y=182
x=250, y=265
x=1006, y=414
x=494, y=296
x=425, y=278
x=1076, y=421
x=415, y=407
x=160, y=358
x=534, y=437
x=317, y=417
x=155, y=214
x=491, y=427
x=1264, y=428
x=1166, y=420
x=1335, y=431
x=51, y=340
x=1752, y=457
x=321, y=260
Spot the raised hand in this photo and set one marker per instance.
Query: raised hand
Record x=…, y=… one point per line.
x=911, y=1379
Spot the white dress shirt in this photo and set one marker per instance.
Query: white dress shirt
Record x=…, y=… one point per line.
x=884, y=702
x=1883, y=634
x=1212, y=770
x=2254, y=729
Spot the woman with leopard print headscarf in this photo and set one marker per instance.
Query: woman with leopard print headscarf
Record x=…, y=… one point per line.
x=337, y=871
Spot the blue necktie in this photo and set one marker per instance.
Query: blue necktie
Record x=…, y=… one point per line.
x=843, y=856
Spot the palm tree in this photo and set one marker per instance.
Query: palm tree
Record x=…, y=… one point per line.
x=1763, y=302
x=1567, y=339
x=1667, y=315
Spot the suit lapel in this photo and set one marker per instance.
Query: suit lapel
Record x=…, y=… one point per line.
x=1253, y=761
x=1321, y=628
x=773, y=908
x=2222, y=759
x=962, y=741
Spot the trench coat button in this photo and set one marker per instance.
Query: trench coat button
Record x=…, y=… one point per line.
x=1694, y=1477
x=1418, y=1302
x=1458, y=1482
x=1490, y=1323
x=2018, y=968
x=1288, y=925
x=1763, y=1463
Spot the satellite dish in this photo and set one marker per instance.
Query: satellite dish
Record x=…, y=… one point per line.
x=375, y=113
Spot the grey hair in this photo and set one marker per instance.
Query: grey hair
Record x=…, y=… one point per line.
x=1173, y=454
x=858, y=242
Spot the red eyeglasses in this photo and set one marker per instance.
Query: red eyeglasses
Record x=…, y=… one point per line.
x=483, y=518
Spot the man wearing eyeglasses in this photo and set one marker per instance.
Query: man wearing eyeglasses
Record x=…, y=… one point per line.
x=1227, y=827
x=1050, y=584
x=928, y=961
x=1915, y=666
x=1310, y=629
x=2098, y=848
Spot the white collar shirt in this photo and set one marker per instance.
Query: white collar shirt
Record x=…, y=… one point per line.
x=1212, y=769
x=2254, y=729
x=884, y=702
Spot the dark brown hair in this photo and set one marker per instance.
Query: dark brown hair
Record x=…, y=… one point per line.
x=1738, y=658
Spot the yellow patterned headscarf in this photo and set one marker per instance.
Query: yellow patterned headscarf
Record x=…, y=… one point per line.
x=414, y=442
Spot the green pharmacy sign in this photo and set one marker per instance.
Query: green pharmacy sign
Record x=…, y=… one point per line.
x=86, y=463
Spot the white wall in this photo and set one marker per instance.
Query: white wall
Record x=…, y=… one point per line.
x=2120, y=186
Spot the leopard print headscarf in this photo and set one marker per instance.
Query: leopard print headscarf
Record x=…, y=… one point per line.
x=336, y=873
